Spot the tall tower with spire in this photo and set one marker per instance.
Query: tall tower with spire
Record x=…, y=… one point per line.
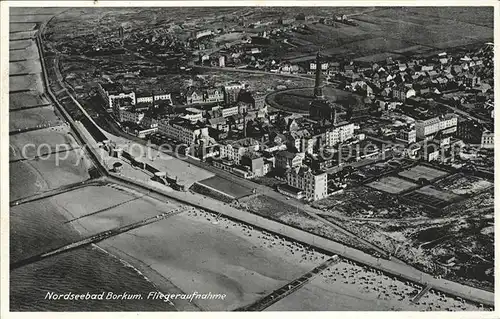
x=317, y=84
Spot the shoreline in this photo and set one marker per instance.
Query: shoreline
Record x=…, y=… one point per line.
x=161, y=283
x=142, y=269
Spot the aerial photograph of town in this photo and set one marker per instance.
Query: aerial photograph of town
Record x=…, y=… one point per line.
x=251, y=158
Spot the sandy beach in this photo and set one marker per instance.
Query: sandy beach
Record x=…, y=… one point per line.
x=349, y=287
x=199, y=251
x=20, y=44
x=209, y=255
x=26, y=99
x=22, y=35
x=28, y=53
x=30, y=82
x=33, y=118
x=29, y=142
x=110, y=207
x=216, y=256
x=31, y=177
x=22, y=67
x=17, y=27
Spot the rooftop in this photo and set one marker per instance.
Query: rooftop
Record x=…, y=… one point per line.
x=187, y=123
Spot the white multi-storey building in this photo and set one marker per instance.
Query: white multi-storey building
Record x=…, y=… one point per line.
x=231, y=91
x=213, y=95
x=425, y=128
x=111, y=92
x=314, y=184
x=183, y=130
x=128, y=115
x=150, y=98
x=488, y=139
x=235, y=150
x=193, y=117
x=336, y=134
x=407, y=136
x=228, y=111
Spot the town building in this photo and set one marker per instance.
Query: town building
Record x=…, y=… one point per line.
x=323, y=67
x=301, y=140
x=287, y=159
x=192, y=116
x=213, y=95
x=149, y=121
x=194, y=96
x=470, y=80
x=259, y=101
x=113, y=93
x=286, y=21
x=183, y=130
x=470, y=131
x=138, y=130
x=219, y=123
x=337, y=133
x=313, y=183
x=149, y=98
x=256, y=164
x=402, y=92
x=228, y=111
x=488, y=140
x=322, y=161
x=130, y=115
x=332, y=134
x=407, y=136
x=234, y=150
x=426, y=128
x=231, y=92
x=202, y=33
